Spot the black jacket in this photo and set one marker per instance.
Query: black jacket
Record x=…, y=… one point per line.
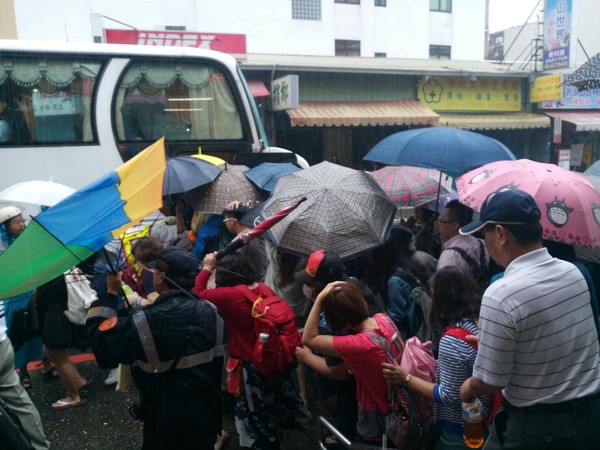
x=181, y=405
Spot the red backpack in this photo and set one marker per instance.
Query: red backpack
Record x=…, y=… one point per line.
x=462, y=333
x=275, y=318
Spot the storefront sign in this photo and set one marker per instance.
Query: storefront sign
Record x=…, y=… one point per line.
x=234, y=44
x=573, y=99
x=558, y=34
x=284, y=93
x=546, y=88
x=462, y=94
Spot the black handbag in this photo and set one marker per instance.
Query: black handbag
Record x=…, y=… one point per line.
x=24, y=324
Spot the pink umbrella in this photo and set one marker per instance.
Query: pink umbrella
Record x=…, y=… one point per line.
x=569, y=203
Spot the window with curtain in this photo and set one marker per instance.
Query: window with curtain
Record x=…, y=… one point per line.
x=181, y=101
x=46, y=100
x=440, y=5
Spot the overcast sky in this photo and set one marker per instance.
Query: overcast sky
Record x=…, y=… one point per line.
x=511, y=13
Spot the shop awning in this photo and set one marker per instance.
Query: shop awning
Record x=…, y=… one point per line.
x=257, y=88
x=583, y=120
x=355, y=114
x=504, y=121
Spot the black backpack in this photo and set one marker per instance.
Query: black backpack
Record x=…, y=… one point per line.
x=481, y=269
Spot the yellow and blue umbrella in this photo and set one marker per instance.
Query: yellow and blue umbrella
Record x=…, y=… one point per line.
x=83, y=223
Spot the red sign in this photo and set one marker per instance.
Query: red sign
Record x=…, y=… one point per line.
x=234, y=44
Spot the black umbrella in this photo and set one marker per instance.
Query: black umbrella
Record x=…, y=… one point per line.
x=185, y=173
x=587, y=76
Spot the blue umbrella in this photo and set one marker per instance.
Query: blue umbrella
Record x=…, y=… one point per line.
x=185, y=173
x=448, y=149
x=594, y=169
x=266, y=175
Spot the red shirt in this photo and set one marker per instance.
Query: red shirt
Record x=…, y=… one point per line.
x=235, y=309
x=364, y=356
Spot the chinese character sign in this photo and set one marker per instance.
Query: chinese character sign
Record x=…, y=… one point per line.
x=545, y=88
x=462, y=94
x=558, y=33
x=284, y=93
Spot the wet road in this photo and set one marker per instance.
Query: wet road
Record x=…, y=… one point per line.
x=104, y=422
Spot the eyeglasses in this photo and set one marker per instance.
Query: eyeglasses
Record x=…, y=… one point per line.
x=230, y=218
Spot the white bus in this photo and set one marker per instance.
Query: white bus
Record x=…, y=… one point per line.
x=70, y=113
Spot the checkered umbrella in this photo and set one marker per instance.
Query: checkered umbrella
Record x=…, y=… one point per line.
x=345, y=211
x=409, y=186
x=229, y=186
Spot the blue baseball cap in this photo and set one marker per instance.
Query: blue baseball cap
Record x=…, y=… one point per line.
x=507, y=207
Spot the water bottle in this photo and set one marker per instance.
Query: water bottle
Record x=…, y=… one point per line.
x=473, y=423
x=126, y=288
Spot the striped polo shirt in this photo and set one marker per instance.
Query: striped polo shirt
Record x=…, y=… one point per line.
x=537, y=333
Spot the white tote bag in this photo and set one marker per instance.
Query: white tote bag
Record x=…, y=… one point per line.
x=80, y=296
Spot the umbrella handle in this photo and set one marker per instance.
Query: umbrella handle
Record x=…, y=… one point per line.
x=232, y=247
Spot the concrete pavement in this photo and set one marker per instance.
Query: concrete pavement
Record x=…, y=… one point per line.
x=104, y=422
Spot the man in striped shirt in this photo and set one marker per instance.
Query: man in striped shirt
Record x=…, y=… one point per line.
x=538, y=341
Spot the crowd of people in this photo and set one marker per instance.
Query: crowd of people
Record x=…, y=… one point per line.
x=178, y=315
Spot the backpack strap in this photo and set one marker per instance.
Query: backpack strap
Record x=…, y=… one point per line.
x=407, y=275
x=475, y=267
x=252, y=298
x=460, y=333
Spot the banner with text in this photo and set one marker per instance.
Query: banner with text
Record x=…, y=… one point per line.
x=464, y=94
x=559, y=34
x=233, y=44
x=547, y=87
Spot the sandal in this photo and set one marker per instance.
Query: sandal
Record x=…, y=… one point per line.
x=86, y=384
x=64, y=403
x=50, y=372
x=25, y=381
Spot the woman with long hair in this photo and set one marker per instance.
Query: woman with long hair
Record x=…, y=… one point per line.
x=456, y=300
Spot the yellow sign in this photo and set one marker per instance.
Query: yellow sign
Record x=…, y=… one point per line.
x=546, y=88
x=462, y=94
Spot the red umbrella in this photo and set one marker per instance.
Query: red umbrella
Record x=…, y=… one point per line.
x=259, y=229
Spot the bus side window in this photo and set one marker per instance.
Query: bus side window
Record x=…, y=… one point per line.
x=46, y=99
x=179, y=100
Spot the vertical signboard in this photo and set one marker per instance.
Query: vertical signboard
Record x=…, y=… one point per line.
x=284, y=93
x=560, y=40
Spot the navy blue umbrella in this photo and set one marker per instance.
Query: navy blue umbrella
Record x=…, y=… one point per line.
x=185, y=173
x=447, y=149
x=266, y=175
